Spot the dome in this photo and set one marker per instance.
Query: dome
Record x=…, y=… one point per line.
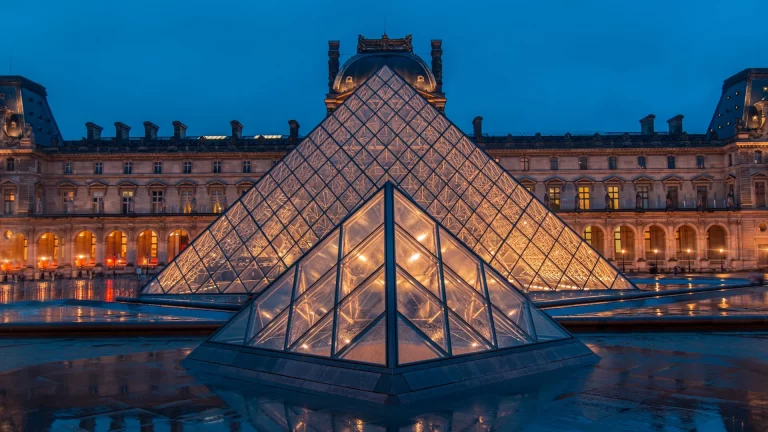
x=359, y=68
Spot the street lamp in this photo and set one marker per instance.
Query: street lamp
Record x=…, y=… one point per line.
x=689, y=259
x=656, y=259
x=722, y=260
x=623, y=265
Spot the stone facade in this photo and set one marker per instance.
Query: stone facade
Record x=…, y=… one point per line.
x=124, y=202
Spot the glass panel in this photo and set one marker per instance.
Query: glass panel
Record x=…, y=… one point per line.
x=318, y=339
x=273, y=336
x=312, y=306
x=371, y=347
x=422, y=309
x=504, y=297
x=415, y=222
x=546, y=329
x=358, y=310
x=508, y=334
x=234, y=331
x=411, y=346
x=268, y=305
x=460, y=260
x=463, y=339
x=362, y=262
x=467, y=304
x=318, y=262
x=417, y=262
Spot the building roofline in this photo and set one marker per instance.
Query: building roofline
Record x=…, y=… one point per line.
x=742, y=75
x=18, y=80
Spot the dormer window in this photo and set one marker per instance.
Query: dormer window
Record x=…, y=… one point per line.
x=349, y=80
x=420, y=79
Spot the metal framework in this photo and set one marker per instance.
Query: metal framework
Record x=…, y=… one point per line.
x=385, y=132
x=389, y=287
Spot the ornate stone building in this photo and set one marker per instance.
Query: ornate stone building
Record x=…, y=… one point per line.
x=124, y=202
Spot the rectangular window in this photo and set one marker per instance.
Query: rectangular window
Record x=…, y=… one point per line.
x=186, y=201
x=583, y=197
x=128, y=168
x=583, y=163
x=187, y=167
x=127, y=201
x=613, y=197
x=216, y=167
x=612, y=163
x=700, y=162
x=69, y=202
x=10, y=164
x=643, y=198
x=157, y=201
x=588, y=235
x=762, y=255
x=67, y=167
x=670, y=162
x=98, y=168
x=758, y=157
x=9, y=200
x=525, y=164
x=701, y=193
x=760, y=194
x=641, y=162
x=246, y=166
x=553, y=164
x=554, y=198
x=158, y=168
x=97, y=201
x=673, y=196
x=217, y=200
x=39, y=167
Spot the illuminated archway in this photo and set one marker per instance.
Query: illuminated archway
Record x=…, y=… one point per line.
x=655, y=244
x=685, y=243
x=85, y=249
x=178, y=240
x=47, y=251
x=716, y=243
x=13, y=251
x=146, y=248
x=595, y=237
x=116, y=248
x=624, y=240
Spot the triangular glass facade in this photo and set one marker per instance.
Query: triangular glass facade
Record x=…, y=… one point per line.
x=389, y=286
x=385, y=132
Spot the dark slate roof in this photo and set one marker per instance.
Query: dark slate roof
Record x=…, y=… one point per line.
x=276, y=143
x=606, y=140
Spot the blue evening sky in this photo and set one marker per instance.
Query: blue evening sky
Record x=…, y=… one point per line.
x=525, y=66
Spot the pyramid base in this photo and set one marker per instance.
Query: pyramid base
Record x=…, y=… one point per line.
x=382, y=385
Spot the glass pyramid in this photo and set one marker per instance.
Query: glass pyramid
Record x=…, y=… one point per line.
x=385, y=132
x=389, y=286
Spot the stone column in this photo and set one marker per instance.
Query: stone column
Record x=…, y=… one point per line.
x=639, y=249
x=162, y=246
x=701, y=249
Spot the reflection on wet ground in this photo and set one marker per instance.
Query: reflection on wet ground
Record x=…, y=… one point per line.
x=75, y=311
x=737, y=302
x=79, y=289
x=643, y=382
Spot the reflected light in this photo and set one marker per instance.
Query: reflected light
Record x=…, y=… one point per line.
x=421, y=237
x=362, y=258
x=414, y=257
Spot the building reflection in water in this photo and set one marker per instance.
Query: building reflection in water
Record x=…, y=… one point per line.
x=79, y=289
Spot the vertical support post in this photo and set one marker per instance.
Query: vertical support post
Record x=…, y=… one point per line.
x=390, y=275
x=337, y=293
x=488, y=305
x=441, y=286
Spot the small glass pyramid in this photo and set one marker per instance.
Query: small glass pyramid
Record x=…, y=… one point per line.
x=385, y=132
x=390, y=287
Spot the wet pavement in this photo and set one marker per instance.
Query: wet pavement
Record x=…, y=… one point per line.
x=647, y=381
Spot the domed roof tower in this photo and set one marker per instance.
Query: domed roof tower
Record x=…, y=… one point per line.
x=371, y=55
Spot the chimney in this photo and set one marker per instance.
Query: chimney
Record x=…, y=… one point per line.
x=333, y=63
x=294, y=134
x=93, y=131
x=150, y=130
x=478, y=128
x=237, y=129
x=437, y=63
x=676, y=125
x=646, y=124
x=179, y=130
x=122, y=131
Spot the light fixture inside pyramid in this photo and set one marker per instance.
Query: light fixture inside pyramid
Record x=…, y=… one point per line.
x=385, y=131
x=389, y=269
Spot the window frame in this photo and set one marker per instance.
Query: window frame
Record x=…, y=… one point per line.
x=157, y=167
x=10, y=164
x=128, y=167
x=583, y=163
x=613, y=163
x=671, y=162
x=186, y=167
x=642, y=162
x=69, y=168
x=554, y=163
x=98, y=168
x=700, y=161
x=216, y=167
x=525, y=163
x=246, y=167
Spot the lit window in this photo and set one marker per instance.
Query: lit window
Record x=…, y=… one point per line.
x=700, y=162
x=525, y=163
x=583, y=197
x=553, y=164
x=758, y=157
x=641, y=162
x=128, y=168
x=98, y=168
x=67, y=167
x=187, y=167
x=216, y=167
x=583, y=163
x=670, y=162
x=10, y=164
x=554, y=198
x=613, y=197
x=9, y=198
x=246, y=166
x=643, y=191
x=612, y=163
x=157, y=201
x=158, y=168
x=588, y=235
